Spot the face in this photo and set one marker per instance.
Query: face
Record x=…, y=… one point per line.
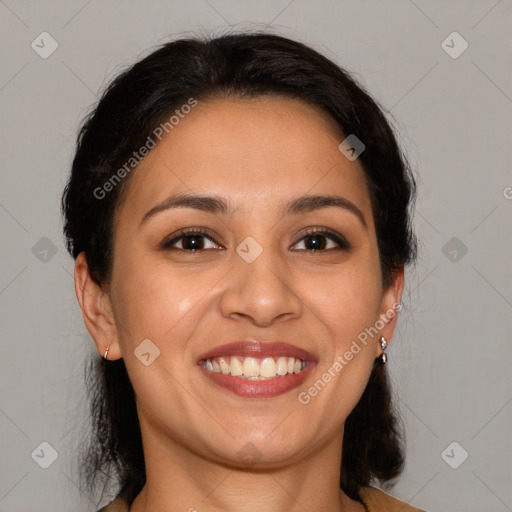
x=265, y=281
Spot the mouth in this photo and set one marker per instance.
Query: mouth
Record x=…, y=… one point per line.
x=257, y=369
x=252, y=368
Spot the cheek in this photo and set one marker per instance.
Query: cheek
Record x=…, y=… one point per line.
x=346, y=302
x=156, y=303
x=350, y=309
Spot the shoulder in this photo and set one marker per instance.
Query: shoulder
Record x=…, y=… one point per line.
x=376, y=500
x=118, y=505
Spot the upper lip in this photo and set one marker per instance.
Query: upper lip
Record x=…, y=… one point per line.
x=259, y=349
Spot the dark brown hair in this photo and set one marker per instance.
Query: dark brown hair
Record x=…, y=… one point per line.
x=132, y=106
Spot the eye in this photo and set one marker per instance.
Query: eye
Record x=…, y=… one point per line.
x=314, y=240
x=191, y=240
x=322, y=240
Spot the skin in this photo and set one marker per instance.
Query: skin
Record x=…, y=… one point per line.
x=258, y=154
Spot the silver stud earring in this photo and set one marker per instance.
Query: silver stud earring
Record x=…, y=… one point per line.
x=383, y=345
x=106, y=352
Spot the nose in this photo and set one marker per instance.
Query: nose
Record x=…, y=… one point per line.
x=259, y=291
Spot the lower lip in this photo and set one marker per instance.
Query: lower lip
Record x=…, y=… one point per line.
x=259, y=388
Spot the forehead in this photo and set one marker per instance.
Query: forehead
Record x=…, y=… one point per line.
x=258, y=152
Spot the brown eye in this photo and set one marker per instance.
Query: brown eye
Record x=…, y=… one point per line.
x=191, y=241
x=322, y=240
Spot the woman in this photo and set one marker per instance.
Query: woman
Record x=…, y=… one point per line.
x=239, y=213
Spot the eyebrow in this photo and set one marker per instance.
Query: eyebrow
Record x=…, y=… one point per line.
x=217, y=205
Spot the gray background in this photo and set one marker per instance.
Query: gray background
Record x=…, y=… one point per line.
x=450, y=358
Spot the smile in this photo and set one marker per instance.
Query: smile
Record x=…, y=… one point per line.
x=253, y=368
x=257, y=369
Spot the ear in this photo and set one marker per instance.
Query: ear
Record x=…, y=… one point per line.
x=390, y=305
x=96, y=310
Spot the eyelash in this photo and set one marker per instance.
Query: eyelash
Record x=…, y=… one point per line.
x=328, y=233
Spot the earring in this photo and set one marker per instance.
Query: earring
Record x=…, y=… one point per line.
x=106, y=352
x=383, y=345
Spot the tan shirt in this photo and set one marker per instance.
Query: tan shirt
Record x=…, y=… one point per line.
x=374, y=500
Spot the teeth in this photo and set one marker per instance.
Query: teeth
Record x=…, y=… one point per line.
x=268, y=367
x=282, y=366
x=235, y=368
x=253, y=368
x=224, y=367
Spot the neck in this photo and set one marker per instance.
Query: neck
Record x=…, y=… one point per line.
x=178, y=479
